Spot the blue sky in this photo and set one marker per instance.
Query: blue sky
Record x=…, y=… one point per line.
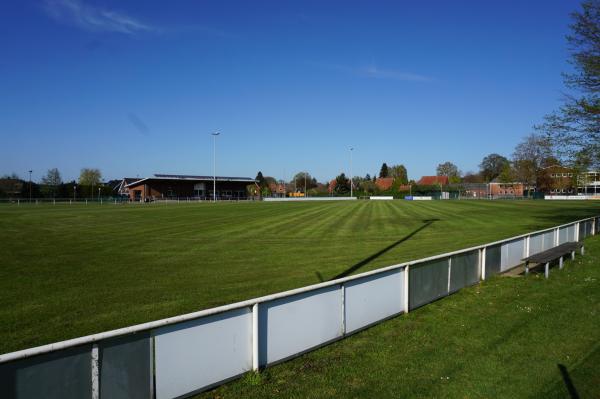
x=136, y=88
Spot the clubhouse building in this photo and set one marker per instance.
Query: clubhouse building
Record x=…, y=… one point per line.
x=162, y=186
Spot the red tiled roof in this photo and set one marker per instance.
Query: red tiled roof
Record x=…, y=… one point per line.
x=384, y=183
x=432, y=180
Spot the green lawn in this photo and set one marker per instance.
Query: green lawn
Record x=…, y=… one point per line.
x=68, y=271
x=505, y=338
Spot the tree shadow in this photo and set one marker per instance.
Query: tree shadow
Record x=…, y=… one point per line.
x=564, y=216
x=568, y=382
x=355, y=267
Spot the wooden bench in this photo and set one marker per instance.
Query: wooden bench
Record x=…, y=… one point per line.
x=547, y=256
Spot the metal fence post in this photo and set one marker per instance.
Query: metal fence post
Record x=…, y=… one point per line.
x=406, y=287
x=576, y=239
x=527, y=243
x=255, y=332
x=482, y=262
x=343, y=292
x=556, y=240
x=95, y=373
x=449, y=273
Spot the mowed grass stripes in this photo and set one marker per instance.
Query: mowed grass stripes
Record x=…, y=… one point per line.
x=68, y=271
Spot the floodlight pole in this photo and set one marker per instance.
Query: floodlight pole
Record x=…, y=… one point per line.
x=305, y=183
x=215, y=134
x=351, y=182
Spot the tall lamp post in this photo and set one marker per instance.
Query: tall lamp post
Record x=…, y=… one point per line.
x=305, y=184
x=351, y=182
x=215, y=134
x=30, y=185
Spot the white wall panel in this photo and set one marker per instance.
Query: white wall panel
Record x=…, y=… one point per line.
x=192, y=355
x=536, y=244
x=373, y=298
x=548, y=239
x=295, y=324
x=512, y=253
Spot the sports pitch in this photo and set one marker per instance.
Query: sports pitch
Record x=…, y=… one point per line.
x=72, y=270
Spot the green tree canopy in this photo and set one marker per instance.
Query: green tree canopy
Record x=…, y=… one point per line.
x=304, y=178
x=491, y=166
x=89, y=177
x=399, y=173
x=342, y=184
x=384, y=171
x=260, y=179
x=575, y=126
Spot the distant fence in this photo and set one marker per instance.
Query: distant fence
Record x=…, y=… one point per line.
x=573, y=197
x=183, y=355
x=294, y=199
x=115, y=200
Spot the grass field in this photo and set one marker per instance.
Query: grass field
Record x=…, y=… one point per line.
x=68, y=271
x=504, y=338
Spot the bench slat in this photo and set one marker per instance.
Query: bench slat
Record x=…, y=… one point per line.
x=553, y=253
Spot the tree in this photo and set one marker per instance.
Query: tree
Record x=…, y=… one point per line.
x=491, y=166
x=342, y=184
x=384, y=172
x=270, y=180
x=368, y=177
x=301, y=178
x=260, y=179
x=472, y=177
x=12, y=176
x=575, y=126
x=90, y=177
x=51, y=181
x=449, y=169
x=399, y=173
x=529, y=158
x=368, y=186
x=507, y=175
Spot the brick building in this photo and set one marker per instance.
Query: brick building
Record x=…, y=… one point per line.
x=162, y=186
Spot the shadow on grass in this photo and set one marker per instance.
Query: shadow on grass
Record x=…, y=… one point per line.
x=568, y=383
x=567, y=215
x=355, y=267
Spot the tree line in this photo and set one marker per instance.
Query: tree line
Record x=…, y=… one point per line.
x=88, y=185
